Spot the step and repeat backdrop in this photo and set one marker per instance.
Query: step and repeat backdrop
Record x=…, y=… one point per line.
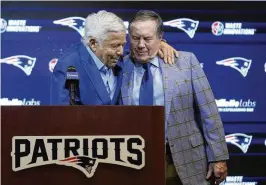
x=228, y=38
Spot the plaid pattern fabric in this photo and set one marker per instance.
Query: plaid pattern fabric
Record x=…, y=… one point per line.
x=195, y=130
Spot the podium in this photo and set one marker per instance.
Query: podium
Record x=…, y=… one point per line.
x=49, y=144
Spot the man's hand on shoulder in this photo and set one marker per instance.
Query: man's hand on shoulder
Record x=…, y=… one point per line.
x=168, y=53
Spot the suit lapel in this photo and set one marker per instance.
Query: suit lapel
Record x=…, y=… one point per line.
x=94, y=75
x=118, y=73
x=168, y=84
x=127, y=82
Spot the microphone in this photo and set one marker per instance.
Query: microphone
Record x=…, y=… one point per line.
x=72, y=81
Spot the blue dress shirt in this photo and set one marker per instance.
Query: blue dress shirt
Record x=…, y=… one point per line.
x=158, y=97
x=107, y=74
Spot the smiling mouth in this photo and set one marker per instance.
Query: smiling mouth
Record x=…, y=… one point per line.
x=141, y=53
x=114, y=60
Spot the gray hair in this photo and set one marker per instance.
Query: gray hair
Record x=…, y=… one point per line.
x=98, y=25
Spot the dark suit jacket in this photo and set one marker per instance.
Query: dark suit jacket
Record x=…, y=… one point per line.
x=92, y=90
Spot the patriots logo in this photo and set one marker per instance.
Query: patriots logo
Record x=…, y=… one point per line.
x=52, y=64
x=23, y=62
x=242, y=65
x=189, y=26
x=85, y=164
x=242, y=141
x=76, y=23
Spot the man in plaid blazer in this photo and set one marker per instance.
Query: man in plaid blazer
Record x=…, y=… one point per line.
x=194, y=130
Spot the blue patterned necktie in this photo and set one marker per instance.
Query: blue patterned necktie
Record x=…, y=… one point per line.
x=146, y=89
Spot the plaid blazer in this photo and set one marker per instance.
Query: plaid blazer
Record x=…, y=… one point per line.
x=195, y=129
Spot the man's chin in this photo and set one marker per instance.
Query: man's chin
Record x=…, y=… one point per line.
x=111, y=65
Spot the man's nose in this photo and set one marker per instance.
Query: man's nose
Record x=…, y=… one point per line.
x=120, y=51
x=141, y=43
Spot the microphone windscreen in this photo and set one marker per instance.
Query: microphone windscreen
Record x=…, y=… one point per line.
x=72, y=73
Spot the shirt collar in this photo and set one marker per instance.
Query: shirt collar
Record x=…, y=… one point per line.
x=154, y=61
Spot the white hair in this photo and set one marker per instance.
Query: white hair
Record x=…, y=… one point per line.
x=98, y=25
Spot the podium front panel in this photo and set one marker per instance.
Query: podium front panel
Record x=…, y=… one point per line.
x=81, y=122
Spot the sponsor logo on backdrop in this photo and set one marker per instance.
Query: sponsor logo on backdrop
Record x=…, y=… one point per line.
x=13, y=25
x=3, y=25
x=187, y=25
x=231, y=28
x=237, y=180
x=217, y=28
x=23, y=62
x=52, y=64
x=16, y=101
x=233, y=105
x=240, y=140
x=265, y=67
x=76, y=23
x=242, y=65
x=81, y=152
